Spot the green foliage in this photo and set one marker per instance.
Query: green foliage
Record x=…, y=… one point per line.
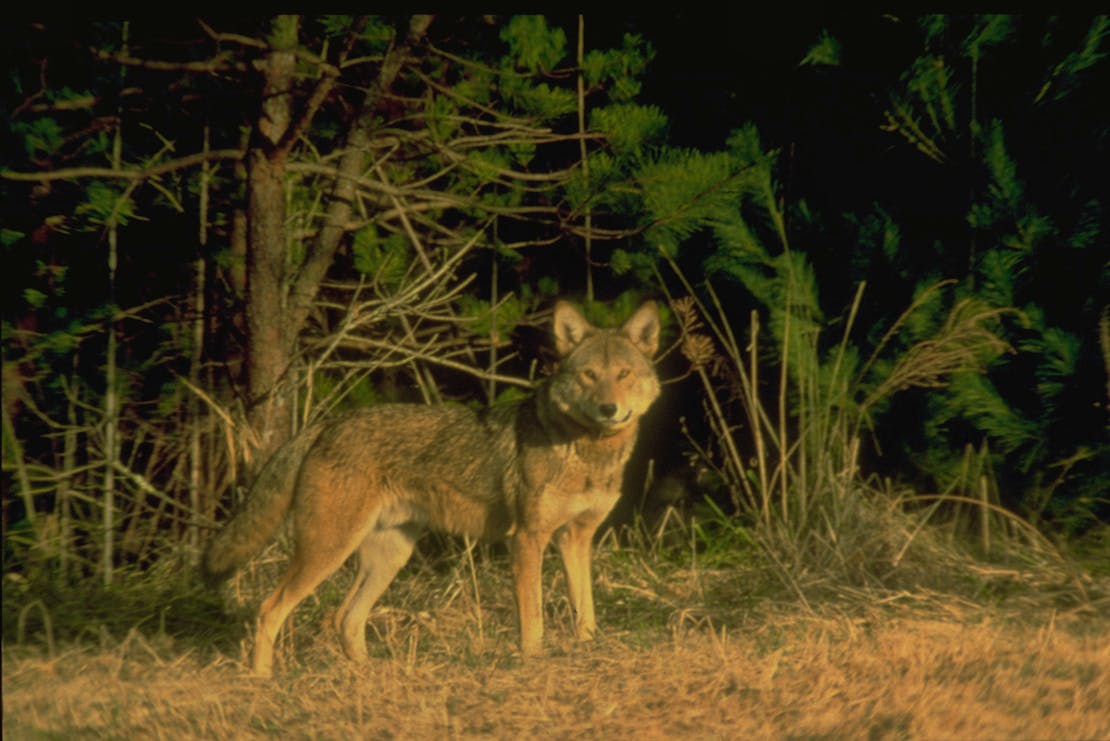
x=534, y=48
x=797, y=485
x=1057, y=352
x=353, y=396
x=826, y=51
x=538, y=99
x=547, y=286
x=34, y=297
x=105, y=203
x=614, y=313
x=382, y=260
x=755, y=173
x=879, y=231
x=1005, y=190
x=973, y=399
x=1024, y=411
x=41, y=137
x=533, y=45
x=968, y=381
x=683, y=191
x=8, y=237
x=1068, y=74
x=988, y=31
x=441, y=116
x=510, y=393
x=476, y=84
x=618, y=70
x=485, y=319
x=929, y=80
x=377, y=33
x=630, y=130
x=998, y=270
x=926, y=314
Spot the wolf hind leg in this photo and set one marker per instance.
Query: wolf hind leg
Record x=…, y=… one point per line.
x=381, y=555
x=317, y=555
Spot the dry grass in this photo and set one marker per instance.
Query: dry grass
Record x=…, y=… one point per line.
x=945, y=671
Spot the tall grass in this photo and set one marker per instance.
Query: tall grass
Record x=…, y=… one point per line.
x=788, y=420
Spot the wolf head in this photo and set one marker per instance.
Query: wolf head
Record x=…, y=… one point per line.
x=605, y=380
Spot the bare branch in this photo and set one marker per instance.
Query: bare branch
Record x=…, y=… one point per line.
x=234, y=38
x=339, y=209
x=329, y=74
x=414, y=354
x=219, y=63
x=73, y=173
x=249, y=41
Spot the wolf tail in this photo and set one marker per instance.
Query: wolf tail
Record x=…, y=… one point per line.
x=268, y=501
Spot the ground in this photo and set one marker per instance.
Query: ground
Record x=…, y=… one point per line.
x=972, y=674
x=685, y=650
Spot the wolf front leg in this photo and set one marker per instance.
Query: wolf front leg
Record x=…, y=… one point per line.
x=575, y=543
x=527, y=556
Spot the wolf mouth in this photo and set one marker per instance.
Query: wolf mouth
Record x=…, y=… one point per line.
x=611, y=421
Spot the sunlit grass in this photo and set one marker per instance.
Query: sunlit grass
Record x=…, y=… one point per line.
x=685, y=650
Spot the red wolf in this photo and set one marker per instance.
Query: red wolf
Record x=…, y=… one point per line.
x=528, y=470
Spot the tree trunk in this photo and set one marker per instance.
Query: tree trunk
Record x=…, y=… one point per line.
x=278, y=304
x=269, y=337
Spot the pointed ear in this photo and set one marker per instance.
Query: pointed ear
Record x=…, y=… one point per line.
x=569, y=328
x=643, y=328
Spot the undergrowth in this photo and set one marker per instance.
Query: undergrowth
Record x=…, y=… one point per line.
x=702, y=573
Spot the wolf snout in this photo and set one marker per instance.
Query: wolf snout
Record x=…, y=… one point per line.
x=610, y=414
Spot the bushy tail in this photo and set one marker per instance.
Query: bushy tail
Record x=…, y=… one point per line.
x=268, y=501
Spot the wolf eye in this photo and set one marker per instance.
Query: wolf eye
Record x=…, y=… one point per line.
x=623, y=374
x=589, y=374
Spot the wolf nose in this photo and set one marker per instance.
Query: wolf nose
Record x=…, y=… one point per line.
x=607, y=410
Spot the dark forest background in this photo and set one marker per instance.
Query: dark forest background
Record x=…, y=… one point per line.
x=881, y=242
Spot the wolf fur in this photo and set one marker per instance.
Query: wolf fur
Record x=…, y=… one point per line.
x=546, y=466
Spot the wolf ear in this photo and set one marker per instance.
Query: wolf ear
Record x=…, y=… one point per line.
x=643, y=328
x=570, y=328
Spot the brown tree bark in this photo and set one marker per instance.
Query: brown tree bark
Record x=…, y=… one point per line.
x=270, y=341
x=278, y=304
